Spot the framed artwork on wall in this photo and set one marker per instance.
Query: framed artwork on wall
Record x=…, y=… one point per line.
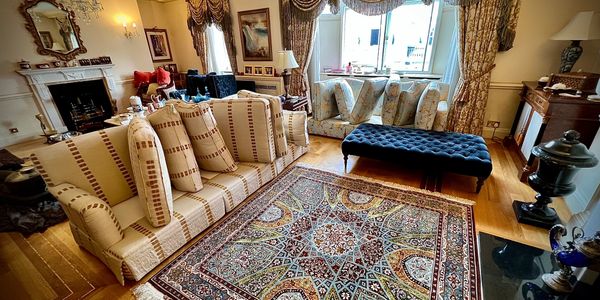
x=248, y=70
x=255, y=34
x=158, y=43
x=268, y=71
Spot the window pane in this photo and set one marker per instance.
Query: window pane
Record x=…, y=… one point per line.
x=410, y=37
x=361, y=38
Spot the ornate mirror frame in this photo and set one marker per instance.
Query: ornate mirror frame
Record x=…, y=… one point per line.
x=30, y=26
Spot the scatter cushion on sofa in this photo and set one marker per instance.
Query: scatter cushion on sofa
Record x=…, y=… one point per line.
x=407, y=106
x=276, y=119
x=209, y=147
x=182, y=166
x=344, y=99
x=428, y=106
x=140, y=77
x=163, y=77
x=150, y=172
x=367, y=99
x=295, y=125
x=391, y=99
x=441, y=117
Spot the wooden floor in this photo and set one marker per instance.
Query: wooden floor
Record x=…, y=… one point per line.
x=51, y=266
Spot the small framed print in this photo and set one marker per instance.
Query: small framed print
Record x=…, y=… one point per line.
x=248, y=70
x=268, y=71
x=258, y=70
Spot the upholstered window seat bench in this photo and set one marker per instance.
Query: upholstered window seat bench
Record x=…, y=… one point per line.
x=432, y=151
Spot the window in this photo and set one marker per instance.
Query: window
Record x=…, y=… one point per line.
x=402, y=39
x=218, y=61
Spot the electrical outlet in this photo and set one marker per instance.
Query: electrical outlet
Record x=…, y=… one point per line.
x=13, y=130
x=493, y=124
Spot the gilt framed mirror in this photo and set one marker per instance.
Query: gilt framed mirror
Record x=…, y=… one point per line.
x=53, y=28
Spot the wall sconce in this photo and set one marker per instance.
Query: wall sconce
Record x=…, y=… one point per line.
x=133, y=33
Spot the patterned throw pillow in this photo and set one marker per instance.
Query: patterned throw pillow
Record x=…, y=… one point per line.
x=428, y=104
x=208, y=144
x=183, y=169
x=366, y=102
x=295, y=127
x=407, y=106
x=150, y=172
x=391, y=100
x=344, y=99
x=276, y=119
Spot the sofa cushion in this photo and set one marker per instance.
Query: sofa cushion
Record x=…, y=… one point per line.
x=182, y=166
x=246, y=128
x=295, y=127
x=427, y=107
x=407, y=106
x=276, y=119
x=209, y=147
x=344, y=98
x=163, y=77
x=366, y=102
x=97, y=162
x=150, y=172
x=391, y=99
x=140, y=77
x=441, y=117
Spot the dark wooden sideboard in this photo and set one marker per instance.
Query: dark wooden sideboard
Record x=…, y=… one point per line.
x=543, y=116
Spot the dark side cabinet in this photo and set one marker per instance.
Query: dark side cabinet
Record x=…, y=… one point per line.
x=543, y=116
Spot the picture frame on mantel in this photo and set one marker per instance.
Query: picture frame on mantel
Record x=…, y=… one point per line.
x=158, y=44
x=255, y=34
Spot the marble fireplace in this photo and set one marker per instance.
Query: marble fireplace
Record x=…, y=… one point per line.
x=46, y=86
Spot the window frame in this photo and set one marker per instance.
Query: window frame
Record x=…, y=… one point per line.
x=383, y=33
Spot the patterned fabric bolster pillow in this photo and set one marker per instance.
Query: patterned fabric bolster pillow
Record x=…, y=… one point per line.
x=391, y=99
x=150, y=172
x=441, y=117
x=344, y=99
x=89, y=212
x=367, y=99
x=295, y=127
x=209, y=147
x=407, y=106
x=276, y=119
x=182, y=166
x=246, y=127
x=427, y=107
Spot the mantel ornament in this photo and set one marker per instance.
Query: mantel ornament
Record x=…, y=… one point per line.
x=53, y=28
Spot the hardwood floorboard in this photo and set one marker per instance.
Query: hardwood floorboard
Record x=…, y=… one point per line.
x=50, y=265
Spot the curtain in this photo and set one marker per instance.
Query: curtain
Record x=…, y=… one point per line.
x=478, y=44
x=508, y=24
x=215, y=44
x=452, y=73
x=203, y=13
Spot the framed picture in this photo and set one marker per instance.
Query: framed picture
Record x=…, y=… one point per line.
x=173, y=68
x=158, y=43
x=268, y=71
x=258, y=70
x=255, y=34
x=248, y=70
x=46, y=39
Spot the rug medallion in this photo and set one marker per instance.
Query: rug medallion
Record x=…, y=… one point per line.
x=311, y=234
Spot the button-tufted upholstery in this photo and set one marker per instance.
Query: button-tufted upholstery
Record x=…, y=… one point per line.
x=437, y=151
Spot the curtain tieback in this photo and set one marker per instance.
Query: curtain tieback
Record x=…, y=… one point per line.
x=474, y=78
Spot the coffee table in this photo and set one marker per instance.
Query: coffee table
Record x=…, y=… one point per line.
x=511, y=270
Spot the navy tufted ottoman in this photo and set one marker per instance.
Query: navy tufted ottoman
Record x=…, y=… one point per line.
x=459, y=153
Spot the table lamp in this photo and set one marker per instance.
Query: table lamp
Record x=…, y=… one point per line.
x=583, y=26
x=285, y=61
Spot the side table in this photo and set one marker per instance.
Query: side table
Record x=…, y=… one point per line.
x=297, y=104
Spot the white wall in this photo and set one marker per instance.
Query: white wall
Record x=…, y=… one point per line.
x=102, y=37
x=587, y=182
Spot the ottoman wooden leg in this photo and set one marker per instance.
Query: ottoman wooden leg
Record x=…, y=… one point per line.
x=345, y=163
x=480, y=181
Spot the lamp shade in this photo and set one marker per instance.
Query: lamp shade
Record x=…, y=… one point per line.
x=286, y=60
x=583, y=26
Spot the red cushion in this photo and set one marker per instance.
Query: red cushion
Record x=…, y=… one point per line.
x=140, y=77
x=163, y=77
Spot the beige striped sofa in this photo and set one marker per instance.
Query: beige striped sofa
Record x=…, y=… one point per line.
x=92, y=178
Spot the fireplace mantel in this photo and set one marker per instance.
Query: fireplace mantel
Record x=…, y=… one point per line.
x=39, y=79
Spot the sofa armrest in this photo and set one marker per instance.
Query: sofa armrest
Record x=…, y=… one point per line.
x=246, y=127
x=295, y=127
x=441, y=117
x=89, y=213
x=323, y=100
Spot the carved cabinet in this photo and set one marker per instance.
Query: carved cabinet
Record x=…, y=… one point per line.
x=543, y=116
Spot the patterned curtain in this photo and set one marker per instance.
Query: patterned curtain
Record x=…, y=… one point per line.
x=478, y=44
x=202, y=13
x=508, y=24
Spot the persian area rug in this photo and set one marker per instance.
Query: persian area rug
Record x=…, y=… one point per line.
x=311, y=234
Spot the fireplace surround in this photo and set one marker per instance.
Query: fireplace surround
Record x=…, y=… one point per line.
x=41, y=79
